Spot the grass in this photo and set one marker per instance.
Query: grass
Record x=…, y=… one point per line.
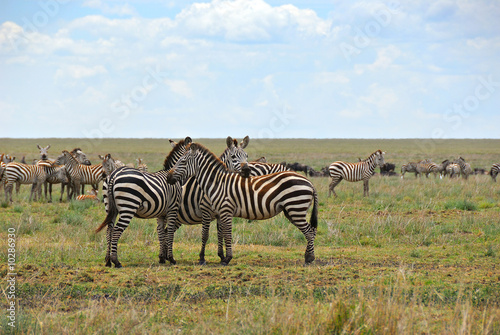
x=417, y=256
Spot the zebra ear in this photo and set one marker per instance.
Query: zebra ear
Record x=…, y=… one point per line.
x=188, y=140
x=172, y=143
x=48, y=147
x=244, y=142
x=229, y=141
x=38, y=146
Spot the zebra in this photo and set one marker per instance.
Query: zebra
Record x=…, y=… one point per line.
x=141, y=166
x=91, y=195
x=441, y=168
x=80, y=174
x=409, y=167
x=195, y=207
x=426, y=167
x=465, y=168
x=20, y=173
x=353, y=172
x=44, y=155
x=254, y=198
x=495, y=169
x=130, y=192
x=260, y=169
x=453, y=170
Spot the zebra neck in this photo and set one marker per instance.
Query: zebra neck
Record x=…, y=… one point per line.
x=211, y=177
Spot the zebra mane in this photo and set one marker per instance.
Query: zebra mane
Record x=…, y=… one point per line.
x=206, y=152
x=178, y=150
x=70, y=156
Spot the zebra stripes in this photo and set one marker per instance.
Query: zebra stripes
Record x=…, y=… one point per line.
x=426, y=167
x=453, y=170
x=20, y=173
x=259, y=169
x=355, y=171
x=465, y=168
x=195, y=207
x=254, y=198
x=79, y=173
x=495, y=169
x=131, y=192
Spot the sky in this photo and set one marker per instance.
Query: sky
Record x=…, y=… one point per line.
x=267, y=69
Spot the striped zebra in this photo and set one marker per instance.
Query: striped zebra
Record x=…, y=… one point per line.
x=91, y=195
x=409, y=167
x=453, y=170
x=255, y=198
x=465, y=168
x=425, y=167
x=130, y=192
x=495, y=169
x=196, y=208
x=442, y=168
x=20, y=173
x=80, y=174
x=259, y=169
x=355, y=171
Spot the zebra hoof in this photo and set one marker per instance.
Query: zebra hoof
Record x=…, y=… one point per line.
x=309, y=258
x=162, y=260
x=202, y=262
x=172, y=261
x=118, y=265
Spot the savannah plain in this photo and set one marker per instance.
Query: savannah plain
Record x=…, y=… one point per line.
x=418, y=256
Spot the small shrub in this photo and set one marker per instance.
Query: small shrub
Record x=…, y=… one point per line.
x=464, y=205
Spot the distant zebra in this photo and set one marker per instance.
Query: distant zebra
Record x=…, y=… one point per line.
x=80, y=174
x=196, y=208
x=453, y=170
x=141, y=166
x=355, y=171
x=56, y=174
x=409, y=167
x=129, y=192
x=495, y=169
x=465, y=168
x=254, y=198
x=442, y=167
x=23, y=174
x=426, y=167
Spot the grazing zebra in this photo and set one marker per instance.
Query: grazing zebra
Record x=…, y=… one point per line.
x=453, y=170
x=91, y=195
x=495, y=169
x=141, y=166
x=130, y=192
x=80, y=174
x=426, y=167
x=409, y=167
x=353, y=172
x=195, y=207
x=20, y=173
x=255, y=198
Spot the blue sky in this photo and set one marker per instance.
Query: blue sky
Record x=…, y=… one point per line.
x=267, y=69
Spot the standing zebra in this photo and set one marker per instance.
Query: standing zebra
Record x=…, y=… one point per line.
x=20, y=173
x=80, y=174
x=355, y=171
x=465, y=168
x=130, y=192
x=141, y=166
x=495, y=169
x=196, y=208
x=453, y=170
x=254, y=198
x=426, y=167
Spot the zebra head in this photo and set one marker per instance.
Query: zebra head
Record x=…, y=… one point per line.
x=43, y=152
x=186, y=166
x=379, y=158
x=108, y=164
x=234, y=155
x=80, y=156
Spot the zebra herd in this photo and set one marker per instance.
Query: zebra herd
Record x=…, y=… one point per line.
x=196, y=187
x=446, y=168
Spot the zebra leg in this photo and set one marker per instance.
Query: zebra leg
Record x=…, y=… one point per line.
x=205, y=229
x=8, y=191
x=366, y=188
x=18, y=187
x=299, y=220
x=226, y=228
x=160, y=228
x=33, y=190
x=220, y=240
x=117, y=232
x=334, y=183
x=172, y=227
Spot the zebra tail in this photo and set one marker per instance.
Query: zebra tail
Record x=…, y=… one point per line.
x=314, y=215
x=112, y=210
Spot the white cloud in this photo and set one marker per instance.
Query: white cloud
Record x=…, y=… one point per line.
x=124, y=9
x=79, y=71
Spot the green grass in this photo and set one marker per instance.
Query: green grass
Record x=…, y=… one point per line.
x=417, y=256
